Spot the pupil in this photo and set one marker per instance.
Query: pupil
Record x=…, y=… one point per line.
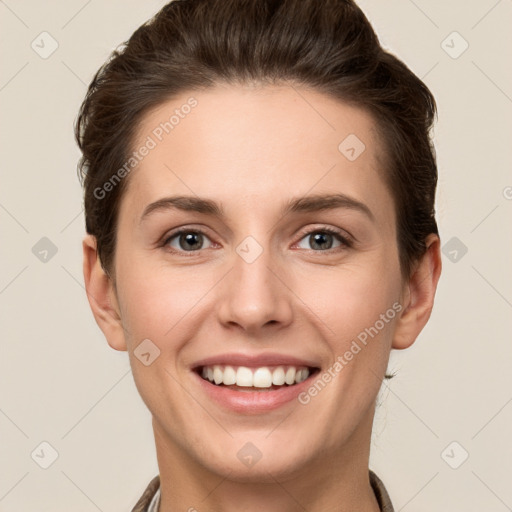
x=320, y=240
x=190, y=238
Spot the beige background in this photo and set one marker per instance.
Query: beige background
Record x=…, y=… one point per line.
x=61, y=383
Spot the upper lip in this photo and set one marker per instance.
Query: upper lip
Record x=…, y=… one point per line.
x=255, y=361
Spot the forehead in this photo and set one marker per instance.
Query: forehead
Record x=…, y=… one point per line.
x=254, y=145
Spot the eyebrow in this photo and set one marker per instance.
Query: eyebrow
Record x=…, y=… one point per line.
x=307, y=204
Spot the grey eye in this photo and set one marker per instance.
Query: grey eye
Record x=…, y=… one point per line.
x=188, y=241
x=321, y=240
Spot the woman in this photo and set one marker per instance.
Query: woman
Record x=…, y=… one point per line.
x=259, y=198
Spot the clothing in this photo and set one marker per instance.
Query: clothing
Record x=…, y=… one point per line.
x=155, y=502
x=150, y=500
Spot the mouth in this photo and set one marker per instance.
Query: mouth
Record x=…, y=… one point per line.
x=250, y=384
x=258, y=379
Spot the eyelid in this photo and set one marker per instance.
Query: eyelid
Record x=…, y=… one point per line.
x=166, y=239
x=345, y=238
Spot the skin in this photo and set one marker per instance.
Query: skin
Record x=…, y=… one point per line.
x=251, y=149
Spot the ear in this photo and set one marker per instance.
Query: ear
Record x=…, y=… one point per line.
x=101, y=296
x=418, y=296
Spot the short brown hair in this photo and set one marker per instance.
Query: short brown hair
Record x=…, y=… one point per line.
x=327, y=45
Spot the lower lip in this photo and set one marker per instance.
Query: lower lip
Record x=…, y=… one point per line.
x=253, y=402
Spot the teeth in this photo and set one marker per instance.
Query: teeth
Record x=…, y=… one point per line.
x=278, y=376
x=229, y=376
x=290, y=375
x=263, y=377
x=243, y=376
x=217, y=375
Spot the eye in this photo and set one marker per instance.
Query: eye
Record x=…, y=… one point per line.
x=187, y=240
x=324, y=239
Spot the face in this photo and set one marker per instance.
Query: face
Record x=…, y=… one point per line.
x=283, y=258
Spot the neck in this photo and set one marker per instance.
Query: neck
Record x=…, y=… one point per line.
x=337, y=481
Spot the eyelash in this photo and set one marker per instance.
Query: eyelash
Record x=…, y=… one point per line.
x=344, y=240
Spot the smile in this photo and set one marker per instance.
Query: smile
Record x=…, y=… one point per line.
x=264, y=377
x=253, y=390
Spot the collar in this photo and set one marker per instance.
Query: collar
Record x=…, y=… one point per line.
x=150, y=499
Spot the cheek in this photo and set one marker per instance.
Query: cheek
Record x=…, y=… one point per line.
x=355, y=312
x=156, y=302
x=348, y=299
x=160, y=306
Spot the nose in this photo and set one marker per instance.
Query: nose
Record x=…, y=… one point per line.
x=255, y=296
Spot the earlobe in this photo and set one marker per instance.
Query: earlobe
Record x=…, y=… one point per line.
x=419, y=296
x=101, y=296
